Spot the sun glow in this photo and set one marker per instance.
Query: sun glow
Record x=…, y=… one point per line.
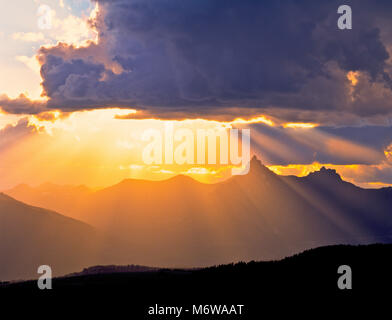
x=259, y=119
x=99, y=148
x=301, y=170
x=96, y=148
x=300, y=125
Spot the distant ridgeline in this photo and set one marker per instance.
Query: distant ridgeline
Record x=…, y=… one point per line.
x=180, y=222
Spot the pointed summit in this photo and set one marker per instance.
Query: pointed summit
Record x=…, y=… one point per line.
x=255, y=162
x=257, y=167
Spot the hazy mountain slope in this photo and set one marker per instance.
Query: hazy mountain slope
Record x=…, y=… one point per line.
x=181, y=222
x=156, y=223
x=32, y=236
x=357, y=211
x=275, y=216
x=63, y=199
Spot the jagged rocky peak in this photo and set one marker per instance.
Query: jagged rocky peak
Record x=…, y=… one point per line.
x=325, y=173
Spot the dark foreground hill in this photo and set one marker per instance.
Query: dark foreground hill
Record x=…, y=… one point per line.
x=309, y=278
x=311, y=272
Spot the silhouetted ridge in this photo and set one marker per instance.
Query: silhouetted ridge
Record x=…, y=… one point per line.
x=255, y=162
x=258, y=168
x=325, y=174
x=112, y=269
x=291, y=275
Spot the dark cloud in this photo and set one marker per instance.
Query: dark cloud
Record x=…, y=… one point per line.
x=195, y=56
x=377, y=137
x=21, y=105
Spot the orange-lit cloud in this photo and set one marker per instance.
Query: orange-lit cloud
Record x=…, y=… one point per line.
x=227, y=117
x=257, y=119
x=352, y=76
x=388, y=153
x=300, y=125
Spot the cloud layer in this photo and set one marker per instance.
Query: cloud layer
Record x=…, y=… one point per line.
x=202, y=56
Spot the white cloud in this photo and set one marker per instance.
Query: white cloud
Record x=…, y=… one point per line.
x=29, y=36
x=30, y=62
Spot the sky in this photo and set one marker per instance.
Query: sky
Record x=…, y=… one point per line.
x=75, y=95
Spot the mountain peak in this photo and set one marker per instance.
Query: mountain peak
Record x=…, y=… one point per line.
x=258, y=169
x=255, y=161
x=325, y=173
x=256, y=164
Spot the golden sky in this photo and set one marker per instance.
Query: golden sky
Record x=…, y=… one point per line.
x=100, y=147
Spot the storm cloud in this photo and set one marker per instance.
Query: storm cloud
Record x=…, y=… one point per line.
x=205, y=56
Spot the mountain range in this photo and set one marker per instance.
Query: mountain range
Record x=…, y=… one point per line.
x=180, y=222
